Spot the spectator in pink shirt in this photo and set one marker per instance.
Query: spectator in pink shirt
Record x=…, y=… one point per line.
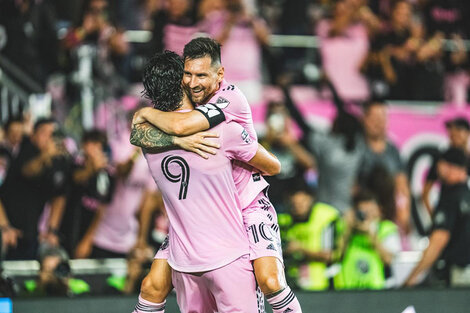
x=344, y=46
x=242, y=36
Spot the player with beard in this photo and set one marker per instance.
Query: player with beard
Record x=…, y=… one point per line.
x=203, y=82
x=208, y=244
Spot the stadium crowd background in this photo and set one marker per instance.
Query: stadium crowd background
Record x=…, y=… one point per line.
x=80, y=62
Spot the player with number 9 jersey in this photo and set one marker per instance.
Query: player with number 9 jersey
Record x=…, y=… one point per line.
x=202, y=202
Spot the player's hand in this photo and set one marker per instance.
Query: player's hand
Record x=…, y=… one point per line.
x=139, y=116
x=10, y=236
x=199, y=143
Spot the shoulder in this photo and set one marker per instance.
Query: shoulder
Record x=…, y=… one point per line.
x=392, y=150
x=228, y=94
x=391, y=147
x=235, y=130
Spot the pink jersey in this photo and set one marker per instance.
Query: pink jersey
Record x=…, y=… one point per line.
x=118, y=228
x=230, y=102
x=202, y=202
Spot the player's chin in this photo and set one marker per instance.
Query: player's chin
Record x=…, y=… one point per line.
x=197, y=99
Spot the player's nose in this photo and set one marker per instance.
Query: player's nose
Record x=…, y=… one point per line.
x=193, y=82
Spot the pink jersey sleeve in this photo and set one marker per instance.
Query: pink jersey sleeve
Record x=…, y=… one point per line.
x=229, y=104
x=238, y=144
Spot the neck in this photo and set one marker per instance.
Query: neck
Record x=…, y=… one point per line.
x=376, y=143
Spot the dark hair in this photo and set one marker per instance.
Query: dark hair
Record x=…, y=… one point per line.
x=366, y=106
x=349, y=127
x=162, y=81
x=95, y=135
x=43, y=121
x=10, y=121
x=298, y=184
x=381, y=182
x=455, y=156
x=201, y=47
x=363, y=195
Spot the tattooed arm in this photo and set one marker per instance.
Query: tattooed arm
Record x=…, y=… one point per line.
x=147, y=136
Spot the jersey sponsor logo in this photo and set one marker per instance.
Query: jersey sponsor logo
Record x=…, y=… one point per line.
x=246, y=137
x=182, y=177
x=222, y=103
x=256, y=177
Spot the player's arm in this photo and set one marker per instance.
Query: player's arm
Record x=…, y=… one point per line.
x=265, y=162
x=146, y=136
x=437, y=242
x=149, y=137
x=173, y=123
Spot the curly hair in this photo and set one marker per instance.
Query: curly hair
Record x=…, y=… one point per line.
x=162, y=81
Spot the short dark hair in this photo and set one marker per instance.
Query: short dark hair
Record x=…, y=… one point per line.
x=455, y=156
x=95, y=135
x=43, y=121
x=201, y=47
x=366, y=106
x=363, y=195
x=162, y=81
x=10, y=121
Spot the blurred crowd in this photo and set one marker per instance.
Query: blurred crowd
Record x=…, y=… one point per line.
x=343, y=196
x=387, y=49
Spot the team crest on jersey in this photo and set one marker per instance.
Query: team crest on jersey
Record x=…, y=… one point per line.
x=246, y=137
x=222, y=102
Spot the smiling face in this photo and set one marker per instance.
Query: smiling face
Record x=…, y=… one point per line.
x=201, y=79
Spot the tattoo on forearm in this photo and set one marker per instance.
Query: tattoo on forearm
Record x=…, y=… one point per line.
x=148, y=136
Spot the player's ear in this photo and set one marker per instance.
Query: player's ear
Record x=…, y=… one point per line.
x=220, y=74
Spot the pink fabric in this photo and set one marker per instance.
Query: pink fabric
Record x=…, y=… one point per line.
x=238, y=110
x=176, y=36
x=228, y=289
x=202, y=203
x=455, y=88
x=118, y=228
x=241, y=52
x=260, y=220
x=342, y=58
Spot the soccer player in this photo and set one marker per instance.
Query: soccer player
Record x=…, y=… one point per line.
x=209, y=248
x=204, y=83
